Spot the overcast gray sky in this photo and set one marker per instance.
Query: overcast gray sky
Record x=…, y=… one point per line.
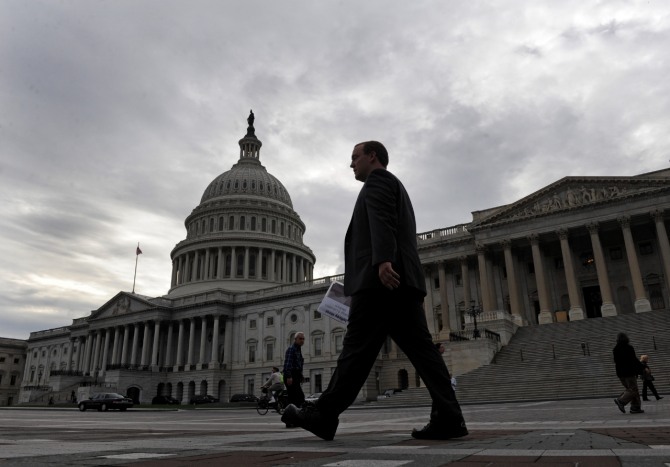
x=116, y=115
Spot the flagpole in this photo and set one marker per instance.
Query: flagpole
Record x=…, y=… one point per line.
x=137, y=255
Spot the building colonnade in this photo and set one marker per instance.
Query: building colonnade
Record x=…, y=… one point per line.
x=243, y=262
x=186, y=344
x=493, y=297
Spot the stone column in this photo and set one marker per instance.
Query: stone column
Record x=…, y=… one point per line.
x=233, y=263
x=444, y=301
x=105, y=351
x=136, y=338
x=182, y=270
x=427, y=306
x=214, y=363
x=145, y=344
x=493, y=294
x=154, y=352
x=70, y=355
x=124, y=346
x=512, y=285
x=173, y=279
x=484, y=278
x=465, y=274
x=663, y=243
x=271, y=267
x=545, y=316
x=115, y=346
x=203, y=341
x=284, y=268
x=576, y=311
x=80, y=354
x=194, y=267
x=294, y=269
x=87, y=353
x=168, y=347
x=207, y=267
x=641, y=301
x=180, y=346
x=96, y=353
x=245, y=265
x=228, y=343
x=219, y=263
x=191, y=342
x=607, y=308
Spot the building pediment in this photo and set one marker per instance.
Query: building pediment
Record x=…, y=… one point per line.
x=574, y=193
x=123, y=303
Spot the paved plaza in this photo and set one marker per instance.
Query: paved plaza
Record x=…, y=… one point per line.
x=563, y=433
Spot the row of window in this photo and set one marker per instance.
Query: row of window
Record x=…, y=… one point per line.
x=274, y=227
x=12, y=379
x=4, y=359
x=316, y=347
x=270, y=320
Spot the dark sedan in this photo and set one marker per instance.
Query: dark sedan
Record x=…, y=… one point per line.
x=164, y=400
x=243, y=398
x=204, y=399
x=105, y=401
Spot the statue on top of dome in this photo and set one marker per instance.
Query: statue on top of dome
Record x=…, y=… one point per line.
x=250, y=121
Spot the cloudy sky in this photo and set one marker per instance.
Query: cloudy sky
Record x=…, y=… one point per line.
x=116, y=115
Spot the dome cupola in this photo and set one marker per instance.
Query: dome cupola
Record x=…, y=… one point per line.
x=244, y=235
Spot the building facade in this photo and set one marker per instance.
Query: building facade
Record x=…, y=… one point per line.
x=12, y=363
x=242, y=285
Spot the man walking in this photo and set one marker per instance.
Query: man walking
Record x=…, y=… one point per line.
x=293, y=363
x=627, y=368
x=384, y=277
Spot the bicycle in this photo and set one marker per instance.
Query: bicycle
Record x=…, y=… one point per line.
x=264, y=405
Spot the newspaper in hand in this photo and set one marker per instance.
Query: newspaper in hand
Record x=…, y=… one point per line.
x=335, y=304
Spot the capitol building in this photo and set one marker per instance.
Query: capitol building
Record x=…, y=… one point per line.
x=242, y=285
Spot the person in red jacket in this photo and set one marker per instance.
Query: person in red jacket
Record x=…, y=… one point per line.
x=627, y=369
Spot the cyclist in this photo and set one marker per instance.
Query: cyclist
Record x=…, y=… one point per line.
x=274, y=384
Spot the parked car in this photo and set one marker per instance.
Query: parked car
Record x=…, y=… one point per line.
x=105, y=401
x=243, y=398
x=164, y=400
x=204, y=399
x=313, y=397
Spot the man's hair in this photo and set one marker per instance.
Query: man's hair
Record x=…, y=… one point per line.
x=379, y=150
x=622, y=338
x=275, y=369
x=298, y=334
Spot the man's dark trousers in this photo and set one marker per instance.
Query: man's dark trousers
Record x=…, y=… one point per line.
x=294, y=391
x=374, y=314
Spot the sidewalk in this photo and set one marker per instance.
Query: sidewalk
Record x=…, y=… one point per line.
x=589, y=433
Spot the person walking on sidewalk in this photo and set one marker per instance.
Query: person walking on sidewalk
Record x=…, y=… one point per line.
x=384, y=277
x=648, y=379
x=293, y=363
x=627, y=368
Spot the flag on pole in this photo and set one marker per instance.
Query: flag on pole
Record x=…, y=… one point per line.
x=138, y=252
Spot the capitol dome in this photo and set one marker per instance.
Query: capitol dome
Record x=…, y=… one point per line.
x=247, y=178
x=244, y=235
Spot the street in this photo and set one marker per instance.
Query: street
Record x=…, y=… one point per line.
x=588, y=432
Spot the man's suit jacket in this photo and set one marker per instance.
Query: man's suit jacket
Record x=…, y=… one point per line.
x=382, y=228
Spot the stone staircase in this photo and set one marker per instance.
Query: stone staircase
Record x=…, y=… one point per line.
x=570, y=360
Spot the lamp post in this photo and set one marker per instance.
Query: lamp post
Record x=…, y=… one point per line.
x=475, y=311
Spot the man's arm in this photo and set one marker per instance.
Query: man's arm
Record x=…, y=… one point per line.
x=381, y=205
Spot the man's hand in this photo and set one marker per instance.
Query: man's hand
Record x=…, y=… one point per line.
x=388, y=277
